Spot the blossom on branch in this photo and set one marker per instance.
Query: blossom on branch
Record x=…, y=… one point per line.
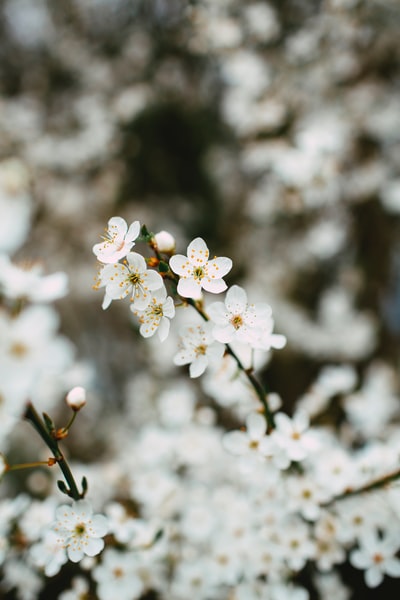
x=133, y=277
x=118, y=240
x=156, y=315
x=198, y=348
x=196, y=272
x=79, y=531
x=236, y=320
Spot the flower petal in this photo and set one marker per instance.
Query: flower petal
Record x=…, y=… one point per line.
x=198, y=252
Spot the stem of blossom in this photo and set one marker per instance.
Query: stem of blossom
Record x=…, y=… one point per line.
x=376, y=484
x=31, y=465
x=32, y=416
x=257, y=386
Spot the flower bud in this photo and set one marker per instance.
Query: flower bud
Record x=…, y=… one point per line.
x=76, y=398
x=165, y=242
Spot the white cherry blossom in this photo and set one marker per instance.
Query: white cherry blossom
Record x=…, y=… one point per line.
x=247, y=442
x=377, y=557
x=79, y=531
x=133, y=277
x=198, y=348
x=157, y=314
x=196, y=272
x=237, y=320
x=118, y=240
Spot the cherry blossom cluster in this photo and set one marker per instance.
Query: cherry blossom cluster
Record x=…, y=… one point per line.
x=235, y=320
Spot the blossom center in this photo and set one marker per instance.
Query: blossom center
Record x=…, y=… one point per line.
x=134, y=278
x=236, y=321
x=80, y=529
x=201, y=349
x=18, y=349
x=198, y=273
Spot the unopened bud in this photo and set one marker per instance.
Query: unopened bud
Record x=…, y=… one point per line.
x=165, y=242
x=76, y=398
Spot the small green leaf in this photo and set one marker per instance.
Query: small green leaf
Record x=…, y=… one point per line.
x=163, y=267
x=48, y=422
x=63, y=488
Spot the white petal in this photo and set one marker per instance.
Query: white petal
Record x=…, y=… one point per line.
x=136, y=262
x=94, y=546
x=236, y=442
x=117, y=224
x=373, y=577
x=236, y=300
x=180, y=265
x=198, y=252
x=219, y=267
x=256, y=426
x=153, y=280
x=198, y=366
x=217, y=313
x=133, y=231
x=215, y=286
x=163, y=329
x=189, y=288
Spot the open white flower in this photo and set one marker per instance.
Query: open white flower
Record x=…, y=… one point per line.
x=118, y=240
x=196, y=272
x=156, y=315
x=133, y=277
x=79, y=531
x=198, y=348
x=247, y=442
x=236, y=320
x=377, y=557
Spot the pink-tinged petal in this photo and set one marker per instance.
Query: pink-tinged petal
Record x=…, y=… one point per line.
x=180, y=265
x=236, y=442
x=94, y=546
x=198, y=252
x=133, y=231
x=118, y=225
x=136, y=262
x=224, y=334
x=256, y=426
x=198, y=366
x=214, y=286
x=219, y=267
x=217, y=313
x=163, y=329
x=236, y=300
x=152, y=280
x=189, y=288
